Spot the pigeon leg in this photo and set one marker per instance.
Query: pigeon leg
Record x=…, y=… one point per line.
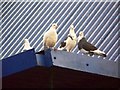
x=91, y=53
x=55, y=49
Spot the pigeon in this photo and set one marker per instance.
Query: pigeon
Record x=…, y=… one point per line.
x=70, y=42
x=87, y=47
x=26, y=45
x=50, y=37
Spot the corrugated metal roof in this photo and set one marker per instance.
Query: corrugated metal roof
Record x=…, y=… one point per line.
x=98, y=20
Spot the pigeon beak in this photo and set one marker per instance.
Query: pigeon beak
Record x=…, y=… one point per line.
x=56, y=27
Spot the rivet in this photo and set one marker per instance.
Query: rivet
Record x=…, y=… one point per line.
x=87, y=64
x=54, y=57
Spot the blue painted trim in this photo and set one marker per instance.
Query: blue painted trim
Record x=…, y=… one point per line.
x=86, y=63
x=19, y=62
x=45, y=59
x=48, y=58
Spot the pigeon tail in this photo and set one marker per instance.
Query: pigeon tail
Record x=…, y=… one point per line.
x=99, y=52
x=104, y=55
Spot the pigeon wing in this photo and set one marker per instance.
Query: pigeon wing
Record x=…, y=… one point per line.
x=88, y=46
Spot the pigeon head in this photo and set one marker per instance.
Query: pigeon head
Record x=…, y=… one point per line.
x=81, y=34
x=54, y=25
x=26, y=45
x=26, y=41
x=71, y=27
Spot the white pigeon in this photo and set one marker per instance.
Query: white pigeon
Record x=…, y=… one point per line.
x=70, y=41
x=87, y=47
x=50, y=37
x=26, y=45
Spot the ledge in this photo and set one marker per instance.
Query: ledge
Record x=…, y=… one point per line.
x=48, y=58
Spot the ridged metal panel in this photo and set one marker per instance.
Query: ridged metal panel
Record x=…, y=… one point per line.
x=98, y=20
x=0, y=31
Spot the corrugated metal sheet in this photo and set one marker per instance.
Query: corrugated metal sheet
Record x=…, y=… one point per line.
x=0, y=43
x=98, y=20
